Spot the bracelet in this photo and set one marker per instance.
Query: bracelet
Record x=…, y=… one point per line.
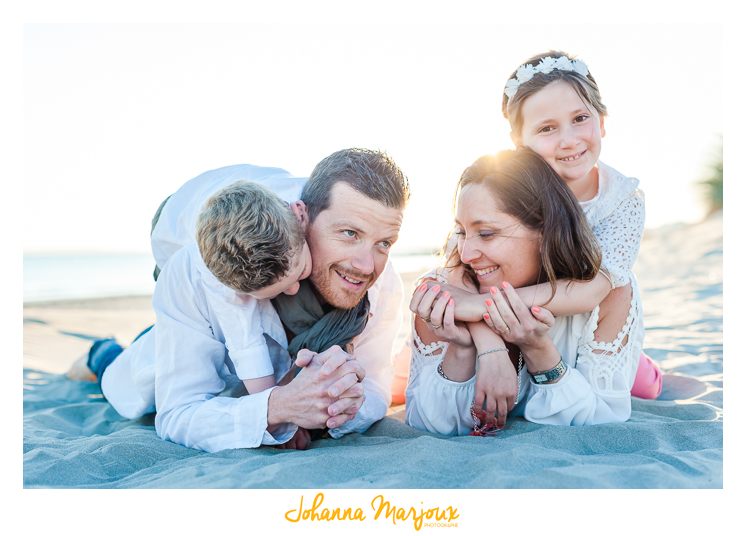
x=440, y=371
x=498, y=349
x=551, y=375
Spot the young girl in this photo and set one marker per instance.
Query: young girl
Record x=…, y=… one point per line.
x=554, y=107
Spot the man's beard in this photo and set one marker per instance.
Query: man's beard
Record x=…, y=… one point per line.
x=333, y=293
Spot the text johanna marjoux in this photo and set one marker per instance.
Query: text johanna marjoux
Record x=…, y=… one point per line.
x=380, y=509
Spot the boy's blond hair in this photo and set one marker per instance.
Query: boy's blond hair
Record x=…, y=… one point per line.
x=247, y=236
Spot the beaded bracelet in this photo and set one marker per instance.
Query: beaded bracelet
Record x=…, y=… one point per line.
x=499, y=349
x=440, y=371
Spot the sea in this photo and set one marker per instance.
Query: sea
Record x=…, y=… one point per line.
x=72, y=276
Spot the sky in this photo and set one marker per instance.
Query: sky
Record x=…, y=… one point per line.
x=118, y=116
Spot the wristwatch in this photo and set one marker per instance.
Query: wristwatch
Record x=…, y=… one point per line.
x=548, y=376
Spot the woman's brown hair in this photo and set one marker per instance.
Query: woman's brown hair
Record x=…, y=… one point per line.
x=525, y=186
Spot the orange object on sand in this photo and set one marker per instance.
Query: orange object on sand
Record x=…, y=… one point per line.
x=401, y=375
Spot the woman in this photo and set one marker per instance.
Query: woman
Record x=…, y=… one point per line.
x=521, y=242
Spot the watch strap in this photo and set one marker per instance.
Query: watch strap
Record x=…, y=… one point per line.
x=547, y=376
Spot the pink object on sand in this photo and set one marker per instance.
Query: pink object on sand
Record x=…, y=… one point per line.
x=649, y=379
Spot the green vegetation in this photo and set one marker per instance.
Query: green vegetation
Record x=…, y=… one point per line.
x=712, y=186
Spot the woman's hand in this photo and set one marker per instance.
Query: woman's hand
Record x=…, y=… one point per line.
x=435, y=313
x=509, y=317
x=496, y=387
x=469, y=303
x=524, y=327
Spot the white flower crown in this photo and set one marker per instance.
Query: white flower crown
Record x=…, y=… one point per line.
x=546, y=66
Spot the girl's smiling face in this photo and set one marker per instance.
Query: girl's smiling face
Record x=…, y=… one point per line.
x=497, y=246
x=564, y=130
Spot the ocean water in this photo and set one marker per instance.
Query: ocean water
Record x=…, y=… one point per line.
x=75, y=276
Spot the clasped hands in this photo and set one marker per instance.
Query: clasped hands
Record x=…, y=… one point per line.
x=325, y=393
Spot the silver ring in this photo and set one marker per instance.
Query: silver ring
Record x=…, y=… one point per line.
x=434, y=326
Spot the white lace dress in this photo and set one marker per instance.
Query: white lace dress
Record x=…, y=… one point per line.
x=617, y=216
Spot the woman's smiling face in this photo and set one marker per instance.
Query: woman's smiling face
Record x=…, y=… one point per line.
x=497, y=246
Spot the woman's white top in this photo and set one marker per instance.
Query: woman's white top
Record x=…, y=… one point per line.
x=594, y=390
x=617, y=217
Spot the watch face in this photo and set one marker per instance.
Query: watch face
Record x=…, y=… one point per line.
x=550, y=375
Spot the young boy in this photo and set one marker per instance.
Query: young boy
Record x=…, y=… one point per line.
x=252, y=245
x=249, y=247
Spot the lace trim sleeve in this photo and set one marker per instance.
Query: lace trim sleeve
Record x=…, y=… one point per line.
x=421, y=352
x=437, y=348
x=434, y=349
x=611, y=366
x=619, y=237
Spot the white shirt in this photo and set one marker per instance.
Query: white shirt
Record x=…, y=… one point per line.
x=234, y=321
x=595, y=389
x=182, y=365
x=617, y=217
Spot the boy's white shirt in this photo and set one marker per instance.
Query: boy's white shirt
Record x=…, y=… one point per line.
x=234, y=321
x=181, y=365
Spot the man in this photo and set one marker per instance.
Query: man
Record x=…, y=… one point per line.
x=355, y=200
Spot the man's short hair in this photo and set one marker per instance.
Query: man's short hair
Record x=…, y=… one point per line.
x=372, y=173
x=247, y=236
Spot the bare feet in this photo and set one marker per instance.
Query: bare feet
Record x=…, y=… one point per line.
x=80, y=372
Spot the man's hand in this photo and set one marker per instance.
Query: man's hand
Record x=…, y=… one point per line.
x=347, y=391
x=326, y=392
x=346, y=406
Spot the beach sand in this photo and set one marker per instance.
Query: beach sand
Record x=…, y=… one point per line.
x=56, y=333
x=72, y=438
